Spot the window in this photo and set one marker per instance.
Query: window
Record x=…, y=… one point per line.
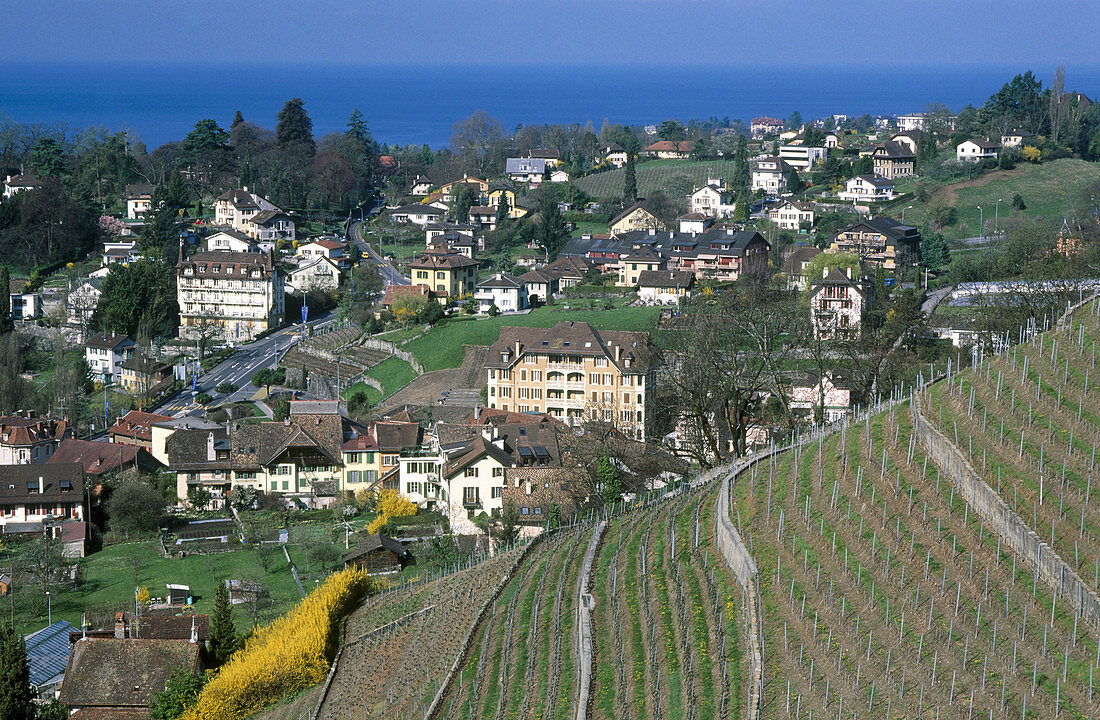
x=353, y=476
x=538, y=511
x=471, y=495
x=524, y=511
x=498, y=472
x=536, y=375
x=496, y=492
x=412, y=487
x=389, y=460
x=470, y=472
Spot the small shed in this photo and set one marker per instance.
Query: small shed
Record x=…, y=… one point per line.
x=179, y=594
x=378, y=555
x=47, y=656
x=5, y=583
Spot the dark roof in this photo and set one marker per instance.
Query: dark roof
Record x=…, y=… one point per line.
x=876, y=180
x=835, y=277
x=501, y=280
x=367, y=544
x=203, y=264
x=983, y=143
x=666, y=278
x=48, y=652
x=60, y=481
x=793, y=264
x=239, y=198
x=265, y=216
x=187, y=448
x=418, y=209
x=108, y=672
x=96, y=457
x=894, y=150
x=107, y=341
x=25, y=430
x=636, y=206
x=670, y=146
x=479, y=448
x=137, y=191
x=395, y=436
x=444, y=262
x=575, y=338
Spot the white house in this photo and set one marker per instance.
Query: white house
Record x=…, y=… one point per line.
x=231, y=241
x=235, y=208
x=421, y=186
x=507, y=292
x=475, y=481
x=976, y=150
x=139, y=199
x=712, y=200
x=665, y=287
x=613, y=154
x=19, y=183
x=559, y=176
x=836, y=304
x=82, y=302
x=24, y=305
x=1016, y=138
x=914, y=121
x=319, y=273
x=418, y=214
x=540, y=284
x=270, y=226
x=802, y=157
x=821, y=396
x=791, y=215
x=330, y=249
x=770, y=175
x=867, y=188
x=529, y=171
x=105, y=353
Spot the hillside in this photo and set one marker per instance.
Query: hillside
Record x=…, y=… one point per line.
x=662, y=175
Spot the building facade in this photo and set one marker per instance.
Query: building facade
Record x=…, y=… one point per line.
x=242, y=293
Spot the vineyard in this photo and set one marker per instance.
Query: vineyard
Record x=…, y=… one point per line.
x=651, y=176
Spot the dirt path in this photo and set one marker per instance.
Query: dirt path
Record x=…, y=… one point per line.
x=949, y=192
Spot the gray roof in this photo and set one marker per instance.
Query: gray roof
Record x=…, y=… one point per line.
x=666, y=278
x=48, y=652
x=501, y=280
x=525, y=165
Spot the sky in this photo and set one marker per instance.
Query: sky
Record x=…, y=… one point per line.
x=786, y=33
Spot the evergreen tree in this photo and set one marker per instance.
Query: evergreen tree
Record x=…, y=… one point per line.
x=176, y=195
x=611, y=486
x=464, y=200
x=794, y=181
x=741, y=210
x=238, y=118
x=552, y=233
x=15, y=685
x=741, y=176
x=179, y=692
x=630, y=181
x=6, y=323
x=223, y=636
x=294, y=127
x=503, y=208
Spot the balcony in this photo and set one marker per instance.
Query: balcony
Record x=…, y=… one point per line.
x=471, y=503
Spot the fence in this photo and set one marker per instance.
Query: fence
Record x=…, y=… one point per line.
x=1050, y=568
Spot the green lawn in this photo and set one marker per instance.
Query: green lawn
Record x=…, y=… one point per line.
x=109, y=581
x=443, y=347
x=394, y=374
x=1049, y=190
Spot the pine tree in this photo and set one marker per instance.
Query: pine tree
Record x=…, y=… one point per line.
x=294, y=127
x=740, y=211
x=238, y=118
x=15, y=685
x=503, y=208
x=741, y=177
x=630, y=181
x=6, y=323
x=223, y=636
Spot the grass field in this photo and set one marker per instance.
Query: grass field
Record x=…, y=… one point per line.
x=654, y=175
x=1049, y=190
x=394, y=374
x=443, y=347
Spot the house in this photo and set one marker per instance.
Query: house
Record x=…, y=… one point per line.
x=135, y=428
x=836, y=304
x=243, y=591
x=372, y=459
x=447, y=276
x=230, y=240
x=894, y=159
x=913, y=121
x=47, y=657
x=239, y=292
x=537, y=493
x=27, y=438
x=880, y=242
x=1016, y=138
x=712, y=200
x=396, y=292
x=515, y=210
x=234, y=208
x=550, y=154
x=693, y=222
x=720, y=254
x=418, y=214
x=529, y=171
x=761, y=126
x=770, y=175
x=613, y=154
x=100, y=458
x=25, y=305
x=802, y=157
x=377, y=555
x=162, y=431
x=153, y=623
x=793, y=215
x=572, y=372
x=559, y=176
x=867, y=188
x=139, y=200
x=505, y=292
x=665, y=287
x=120, y=253
x=5, y=585
x=636, y=217
x=540, y=285
x=832, y=141
x=326, y=248
x=81, y=303
x=909, y=138
x=319, y=273
x=105, y=353
x=119, y=677
x=200, y=459
x=477, y=185
x=145, y=378
x=976, y=149
x=31, y=495
x=821, y=397
x=794, y=267
x=633, y=263
x=669, y=149
x=20, y=183
x=570, y=271
x=270, y=226
x=421, y=186
x=484, y=217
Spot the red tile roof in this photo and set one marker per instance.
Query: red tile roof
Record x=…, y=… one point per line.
x=135, y=424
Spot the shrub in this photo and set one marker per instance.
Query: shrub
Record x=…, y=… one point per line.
x=203, y=398
x=390, y=504
x=227, y=388
x=284, y=657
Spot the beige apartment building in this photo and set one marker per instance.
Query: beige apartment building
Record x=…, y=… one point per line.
x=575, y=373
x=240, y=291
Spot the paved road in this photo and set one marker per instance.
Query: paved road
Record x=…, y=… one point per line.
x=389, y=273
x=238, y=369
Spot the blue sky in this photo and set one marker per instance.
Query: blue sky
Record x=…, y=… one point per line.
x=623, y=32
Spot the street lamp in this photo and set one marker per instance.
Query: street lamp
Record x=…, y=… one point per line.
x=907, y=207
x=981, y=221
x=997, y=216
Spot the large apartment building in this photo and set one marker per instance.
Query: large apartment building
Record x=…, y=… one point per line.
x=240, y=291
x=574, y=373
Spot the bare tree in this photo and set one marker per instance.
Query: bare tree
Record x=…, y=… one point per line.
x=1057, y=102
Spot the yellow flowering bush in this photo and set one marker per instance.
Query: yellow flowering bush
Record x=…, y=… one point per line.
x=284, y=657
x=391, y=504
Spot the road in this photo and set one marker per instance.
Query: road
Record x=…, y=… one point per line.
x=389, y=273
x=238, y=369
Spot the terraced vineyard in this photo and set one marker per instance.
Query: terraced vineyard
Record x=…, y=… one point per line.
x=667, y=618
x=399, y=645
x=521, y=663
x=654, y=175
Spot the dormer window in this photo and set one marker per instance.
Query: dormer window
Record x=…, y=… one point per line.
x=66, y=486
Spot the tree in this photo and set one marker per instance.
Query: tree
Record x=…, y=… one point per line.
x=15, y=686
x=672, y=130
x=1018, y=104
x=741, y=174
x=135, y=507
x=207, y=145
x=199, y=497
x=7, y=324
x=179, y=693
x=479, y=141
x=551, y=230
x=611, y=486
x=294, y=128
x=325, y=554
x=794, y=181
x=503, y=209
x=366, y=281
x=266, y=377
x=145, y=287
x=509, y=525
x=630, y=180
x=794, y=121
x=464, y=200
x=223, y=635
x=238, y=118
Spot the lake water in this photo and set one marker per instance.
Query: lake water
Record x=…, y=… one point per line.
x=406, y=104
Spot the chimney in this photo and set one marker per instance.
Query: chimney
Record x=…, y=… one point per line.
x=849, y=272
x=824, y=272
x=194, y=632
x=477, y=413
x=120, y=626
x=41, y=486
x=210, y=454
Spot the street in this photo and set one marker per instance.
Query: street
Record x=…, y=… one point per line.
x=238, y=369
x=389, y=273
